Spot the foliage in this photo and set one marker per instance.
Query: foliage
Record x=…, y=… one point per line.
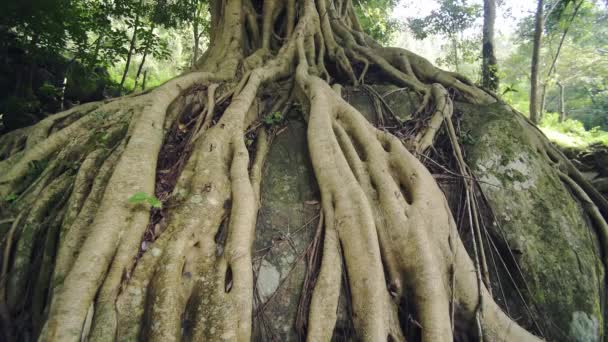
x=10, y=198
x=582, y=66
x=375, y=18
x=142, y=197
x=451, y=19
x=571, y=133
x=273, y=118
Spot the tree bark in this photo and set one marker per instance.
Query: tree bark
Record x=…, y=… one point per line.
x=534, y=70
x=489, y=67
x=143, y=83
x=143, y=59
x=562, y=102
x=141, y=65
x=195, y=32
x=131, y=49
x=556, y=56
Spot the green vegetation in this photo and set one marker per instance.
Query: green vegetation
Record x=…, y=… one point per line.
x=451, y=19
x=571, y=133
x=273, y=118
x=59, y=53
x=375, y=17
x=142, y=197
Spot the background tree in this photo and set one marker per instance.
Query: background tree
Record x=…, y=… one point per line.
x=580, y=68
x=539, y=23
x=375, y=18
x=562, y=15
x=451, y=19
x=489, y=67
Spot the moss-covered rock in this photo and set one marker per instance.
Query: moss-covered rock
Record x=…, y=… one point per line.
x=544, y=227
x=286, y=224
x=538, y=223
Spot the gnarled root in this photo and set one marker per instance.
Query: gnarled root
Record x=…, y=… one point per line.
x=387, y=213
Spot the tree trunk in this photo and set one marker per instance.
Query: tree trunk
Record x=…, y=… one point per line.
x=538, y=34
x=195, y=45
x=93, y=59
x=143, y=59
x=456, y=58
x=195, y=33
x=131, y=49
x=135, y=218
x=556, y=57
x=542, y=102
x=489, y=67
x=141, y=65
x=562, y=102
x=143, y=84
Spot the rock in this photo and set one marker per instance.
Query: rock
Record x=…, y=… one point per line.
x=286, y=225
x=540, y=224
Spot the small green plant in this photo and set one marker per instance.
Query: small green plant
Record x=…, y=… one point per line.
x=273, y=118
x=142, y=197
x=10, y=198
x=102, y=138
x=49, y=91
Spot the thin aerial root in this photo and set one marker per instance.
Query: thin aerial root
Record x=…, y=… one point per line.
x=261, y=150
x=592, y=210
x=75, y=229
x=322, y=314
x=33, y=226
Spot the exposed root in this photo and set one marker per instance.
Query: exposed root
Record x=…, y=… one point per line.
x=374, y=173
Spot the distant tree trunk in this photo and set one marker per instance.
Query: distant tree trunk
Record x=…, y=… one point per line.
x=93, y=59
x=489, y=69
x=455, y=47
x=28, y=86
x=542, y=102
x=143, y=59
x=195, y=47
x=63, y=86
x=143, y=84
x=131, y=48
x=538, y=34
x=196, y=33
x=556, y=57
x=562, y=102
x=141, y=66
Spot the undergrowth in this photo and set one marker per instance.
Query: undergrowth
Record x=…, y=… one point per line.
x=571, y=133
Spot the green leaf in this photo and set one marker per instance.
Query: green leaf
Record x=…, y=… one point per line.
x=273, y=118
x=141, y=197
x=11, y=198
x=138, y=197
x=155, y=202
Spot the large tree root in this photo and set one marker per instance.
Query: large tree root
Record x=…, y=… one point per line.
x=93, y=265
x=378, y=198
